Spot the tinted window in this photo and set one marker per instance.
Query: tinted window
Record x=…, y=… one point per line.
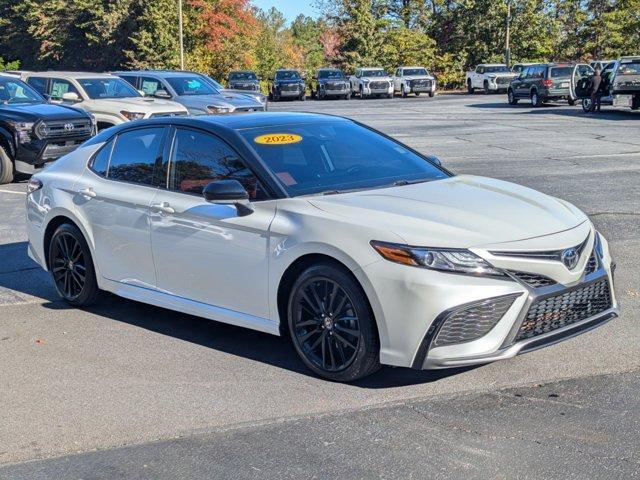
x=39, y=83
x=59, y=87
x=330, y=74
x=242, y=76
x=415, y=71
x=100, y=163
x=128, y=78
x=496, y=69
x=150, y=85
x=557, y=72
x=287, y=75
x=13, y=90
x=374, y=73
x=198, y=159
x=631, y=68
x=134, y=155
x=190, y=86
x=328, y=156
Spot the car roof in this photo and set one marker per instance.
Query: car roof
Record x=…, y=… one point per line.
x=241, y=71
x=371, y=68
x=76, y=75
x=330, y=69
x=159, y=73
x=412, y=66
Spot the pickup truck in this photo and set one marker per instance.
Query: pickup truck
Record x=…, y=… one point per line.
x=34, y=132
x=620, y=85
x=490, y=77
x=371, y=81
x=414, y=80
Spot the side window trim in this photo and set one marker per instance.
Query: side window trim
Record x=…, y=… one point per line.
x=170, y=162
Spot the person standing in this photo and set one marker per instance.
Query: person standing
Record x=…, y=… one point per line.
x=596, y=95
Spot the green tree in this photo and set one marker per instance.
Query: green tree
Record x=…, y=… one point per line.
x=306, y=35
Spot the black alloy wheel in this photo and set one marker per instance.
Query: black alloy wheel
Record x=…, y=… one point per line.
x=331, y=324
x=72, y=267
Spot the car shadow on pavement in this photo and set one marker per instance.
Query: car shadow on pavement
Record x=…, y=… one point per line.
x=604, y=114
x=238, y=341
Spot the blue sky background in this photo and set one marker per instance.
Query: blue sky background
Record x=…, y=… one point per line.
x=290, y=8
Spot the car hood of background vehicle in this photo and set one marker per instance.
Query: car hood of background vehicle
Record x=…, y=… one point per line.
x=286, y=82
x=419, y=77
x=141, y=104
x=45, y=111
x=458, y=212
x=376, y=79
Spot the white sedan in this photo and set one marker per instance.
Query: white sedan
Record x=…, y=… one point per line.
x=362, y=250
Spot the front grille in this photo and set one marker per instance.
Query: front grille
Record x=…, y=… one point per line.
x=336, y=86
x=552, y=313
x=532, y=279
x=473, y=321
x=64, y=128
x=503, y=80
x=289, y=87
x=421, y=83
x=249, y=109
x=378, y=85
x=168, y=114
x=244, y=86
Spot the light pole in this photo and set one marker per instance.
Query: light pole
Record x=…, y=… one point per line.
x=507, y=50
x=180, y=34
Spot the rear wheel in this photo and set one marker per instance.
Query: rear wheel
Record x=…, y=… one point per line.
x=586, y=105
x=71, y=266
x=417, y=94
x=486, y=88
x=6, y=167
x=469, y=87
x=536, y=100
x=331, y=324
x=571, y=101
x=431, y=94
x=362, y=96
x=512, y=97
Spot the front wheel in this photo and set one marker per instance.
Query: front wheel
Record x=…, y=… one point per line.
x=586, y=105
x=469, y=87
x=432, y=94
x=571, y=102
x=512, y=97
x=332, y=325
x=6, y=168
x=536, y=100
x=71, y=266
x=486, y=88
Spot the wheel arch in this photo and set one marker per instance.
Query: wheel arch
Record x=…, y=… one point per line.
x=57, y=219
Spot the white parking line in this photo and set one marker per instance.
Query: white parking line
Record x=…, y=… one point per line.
x=11, y=191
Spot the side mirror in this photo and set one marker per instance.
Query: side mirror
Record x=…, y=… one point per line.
x=228, y=192
x=161, y=94
x=70, y=97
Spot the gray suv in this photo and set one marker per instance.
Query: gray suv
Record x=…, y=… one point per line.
x=244, y=80
x=191, y=90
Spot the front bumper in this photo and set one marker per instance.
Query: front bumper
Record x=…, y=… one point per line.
x=410, y=302
x=368, y=89
x=33, y=156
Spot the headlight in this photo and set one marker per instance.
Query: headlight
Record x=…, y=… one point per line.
x=218, y=109
x=442, y=259
x=23, y=130
x=132, y=115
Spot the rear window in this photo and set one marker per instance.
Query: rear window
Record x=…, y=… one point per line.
x=557, y=72
x=632, y=68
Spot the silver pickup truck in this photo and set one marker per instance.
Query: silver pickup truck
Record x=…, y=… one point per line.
x=620, y=85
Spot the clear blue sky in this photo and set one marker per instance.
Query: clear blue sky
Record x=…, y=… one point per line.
x=290, y=8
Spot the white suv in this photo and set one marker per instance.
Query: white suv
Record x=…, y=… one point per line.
x=109, y=98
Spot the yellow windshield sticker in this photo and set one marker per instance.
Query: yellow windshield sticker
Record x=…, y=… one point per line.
x=278, y=139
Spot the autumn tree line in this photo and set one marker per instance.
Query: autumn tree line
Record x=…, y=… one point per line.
x=448, y=36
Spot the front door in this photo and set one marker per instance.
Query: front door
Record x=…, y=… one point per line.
x=114, y=196
x=206, y=252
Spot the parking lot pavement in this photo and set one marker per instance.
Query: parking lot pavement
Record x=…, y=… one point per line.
x=123, y=373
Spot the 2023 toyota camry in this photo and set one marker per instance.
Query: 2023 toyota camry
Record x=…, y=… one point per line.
x=361, y=249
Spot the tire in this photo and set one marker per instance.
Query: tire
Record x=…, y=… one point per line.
x=71, y=267
x=389, y=95
x=486, y=88
x=536, y=100
x=404, y=91
x=470, y=90
x=314, y=95
x=432, y=94
x=571, y=102
x=6, y=168
x=347, y=96
x=303, y=97
x=417, y=94
x=586, y=105
x=362, y=95
x=511, y=96
x=331, y=324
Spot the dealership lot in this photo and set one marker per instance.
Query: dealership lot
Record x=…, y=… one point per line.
x=123, y=373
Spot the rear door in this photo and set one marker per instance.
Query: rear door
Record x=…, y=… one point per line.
x=581, y=81
x=113, y=197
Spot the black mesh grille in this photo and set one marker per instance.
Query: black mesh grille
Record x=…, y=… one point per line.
x=378, y=85
x=421, y=83
x=592, y=264
x=473, y=321
x=561, y=310
x=289, y=87
x=64, y=128
x=503, y=80
x=532, y=279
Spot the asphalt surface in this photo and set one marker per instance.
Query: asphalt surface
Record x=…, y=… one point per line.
x=191, y=398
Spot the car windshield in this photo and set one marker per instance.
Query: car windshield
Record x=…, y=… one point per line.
x=374, y=73
x=16, y=91
x=335, y=156
x=192, y=85
x=287, y=75
x=496, y=69
x=632, y=68
x=97, y=88
x=212, y=82
x=415, y=71
x=330, y=74
x=242, y=76
x=557, y=72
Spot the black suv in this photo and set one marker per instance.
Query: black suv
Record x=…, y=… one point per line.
x=287, y=84
x=543, y=82
x=244, y=80
x=34, y=132
x=330, y=82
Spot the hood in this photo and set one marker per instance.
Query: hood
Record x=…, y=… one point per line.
x=503, y=74
x=252, y=94
x=41, y=111
x=376, y=79
x=138, y=104
x=419, y=77
x=333, y=80
x=224, y=99
x=458, y=212
x=287, y=81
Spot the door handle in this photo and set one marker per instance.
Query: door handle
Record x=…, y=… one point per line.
x=163, y=207
x=88, y=193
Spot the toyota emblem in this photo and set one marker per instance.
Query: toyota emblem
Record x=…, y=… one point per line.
x=570, y=258
x=69, y=126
